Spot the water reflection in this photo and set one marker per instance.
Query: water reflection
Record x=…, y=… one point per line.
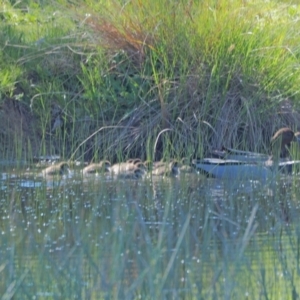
x=182, y=236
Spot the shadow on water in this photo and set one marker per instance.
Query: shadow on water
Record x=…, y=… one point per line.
x=157, y=238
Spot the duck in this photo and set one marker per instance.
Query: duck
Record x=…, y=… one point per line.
x=95, y=168
x=171, y=169
x=249, y=165
x=280, y=144
x=61, y=168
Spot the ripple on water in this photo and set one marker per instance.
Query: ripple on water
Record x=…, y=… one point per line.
x=96, y=222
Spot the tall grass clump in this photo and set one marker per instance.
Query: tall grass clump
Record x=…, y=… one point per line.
x=148, y=78
x=188, y=69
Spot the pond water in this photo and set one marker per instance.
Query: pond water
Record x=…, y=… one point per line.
x=158, y=238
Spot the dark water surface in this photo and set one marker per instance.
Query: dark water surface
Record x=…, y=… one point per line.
x=156, y=238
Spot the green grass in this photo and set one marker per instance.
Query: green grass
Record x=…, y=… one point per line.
x=183, y=72
x=149, y=79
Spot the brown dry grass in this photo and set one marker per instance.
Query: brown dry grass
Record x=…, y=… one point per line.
x=130, y=37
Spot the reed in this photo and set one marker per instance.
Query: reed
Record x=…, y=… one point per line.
x=128, y=239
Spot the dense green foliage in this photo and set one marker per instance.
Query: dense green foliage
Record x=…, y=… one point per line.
x=148, y=78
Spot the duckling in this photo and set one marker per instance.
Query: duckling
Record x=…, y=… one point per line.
x=186, y=166
x=57, y=169
x=95, y=168
x=130, y=164
x=151, y=165
x=166, y=169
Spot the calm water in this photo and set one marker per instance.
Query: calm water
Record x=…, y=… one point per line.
x=182, y=238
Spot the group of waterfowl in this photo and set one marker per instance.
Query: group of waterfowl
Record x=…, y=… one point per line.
x=228, y=163
x=131, y=169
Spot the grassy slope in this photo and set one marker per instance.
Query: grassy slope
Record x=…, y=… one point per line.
x=149, y=79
